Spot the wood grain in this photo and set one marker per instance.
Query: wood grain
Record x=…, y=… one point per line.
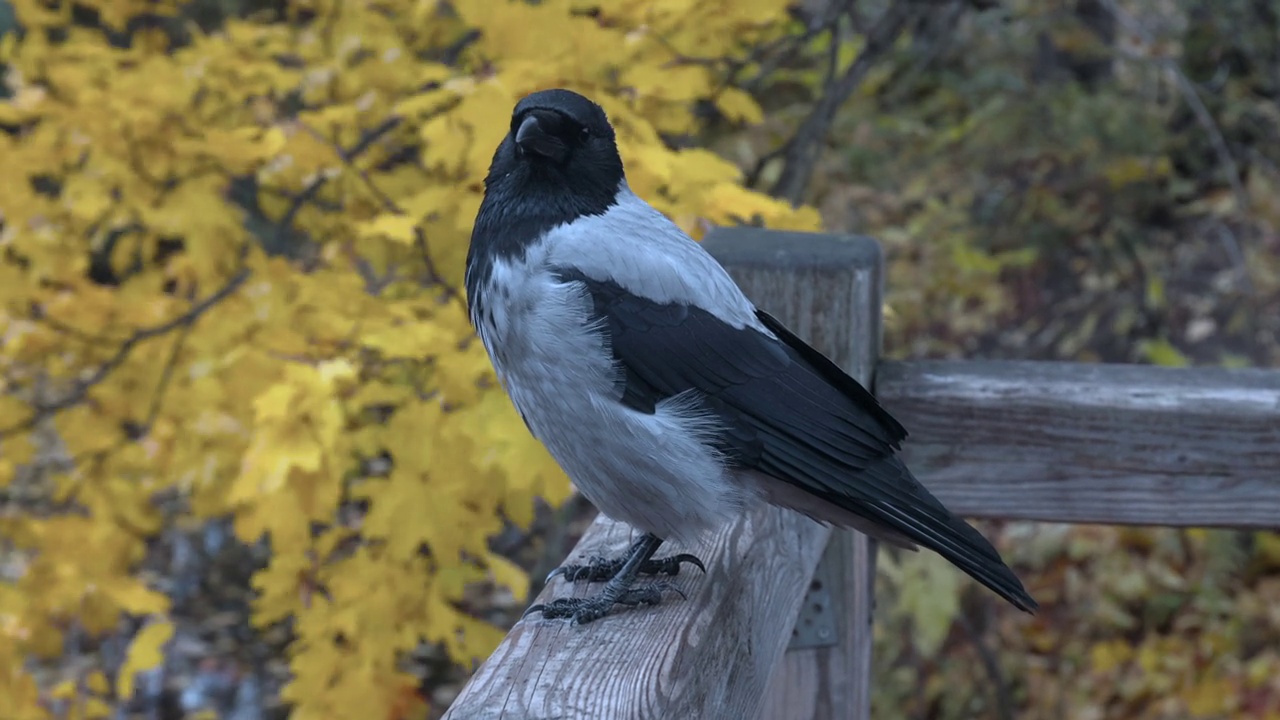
x=711, y=656
x=1115, y=444
x=706, y=657
x=828, y=292
x=835, y=682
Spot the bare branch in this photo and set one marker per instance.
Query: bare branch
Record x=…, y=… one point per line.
x=373, y=284
x=308, y=193
x=388, y=203
x=940, y=28
x=1190, y=93
x=802, y=150
x=990, y=662
x=166, y=376
x=433, y=274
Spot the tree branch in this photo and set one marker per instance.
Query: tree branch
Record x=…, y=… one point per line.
x=140, y=431
x=388, y=203
x=80, y=388
x=308, y=193
x=433, y=274
x=990, y=663
x=802, y=150
x=1191, y=94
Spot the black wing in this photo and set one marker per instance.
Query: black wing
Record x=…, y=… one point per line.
x=789, y=412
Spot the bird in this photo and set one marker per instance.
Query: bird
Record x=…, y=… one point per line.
x=671, y=401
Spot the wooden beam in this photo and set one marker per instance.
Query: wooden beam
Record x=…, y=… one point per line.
x=1090, y=443
x=710, y=656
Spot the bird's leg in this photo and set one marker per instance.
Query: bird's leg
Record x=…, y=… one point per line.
x=617, y=591
x=598, y=569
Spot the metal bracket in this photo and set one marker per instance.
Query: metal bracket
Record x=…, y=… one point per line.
x=818, y=622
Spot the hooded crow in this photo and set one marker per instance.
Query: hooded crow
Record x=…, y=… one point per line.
x=669, y=399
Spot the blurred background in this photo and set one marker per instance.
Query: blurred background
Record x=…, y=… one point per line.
x=253, y=464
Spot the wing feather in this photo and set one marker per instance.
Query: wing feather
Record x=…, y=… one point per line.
x=786, y=411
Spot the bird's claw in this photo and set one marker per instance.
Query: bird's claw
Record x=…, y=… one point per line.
x=599, y=569
x=671, y=565
x=581, y=611
x=595, y=564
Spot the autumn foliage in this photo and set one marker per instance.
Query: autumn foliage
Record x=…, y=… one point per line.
x=229, y=270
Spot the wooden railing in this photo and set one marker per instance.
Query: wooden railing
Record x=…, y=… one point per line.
x=779, y=628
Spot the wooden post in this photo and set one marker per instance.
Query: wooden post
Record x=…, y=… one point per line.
x=713, y=655
x=828, y=290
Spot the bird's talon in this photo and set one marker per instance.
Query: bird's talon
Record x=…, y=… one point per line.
x=580, y=611
x=691, y=559
x=599, y=569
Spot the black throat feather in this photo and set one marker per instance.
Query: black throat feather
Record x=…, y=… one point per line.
x=525, y=198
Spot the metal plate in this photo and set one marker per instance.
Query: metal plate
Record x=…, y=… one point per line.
x=818, y=621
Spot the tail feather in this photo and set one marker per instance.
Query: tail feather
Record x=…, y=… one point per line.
x=919, y=516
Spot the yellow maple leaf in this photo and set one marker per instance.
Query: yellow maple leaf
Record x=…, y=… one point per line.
x=738, y=106
x=509, y=574
x=400, y=228
x=146, y=652
x=97, y=682
x=134, y=597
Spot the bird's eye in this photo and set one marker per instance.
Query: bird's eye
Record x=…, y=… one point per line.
x=584, y=133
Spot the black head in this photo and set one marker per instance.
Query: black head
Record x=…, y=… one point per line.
x=558, y=162
x=560, y=149
x=557, y=127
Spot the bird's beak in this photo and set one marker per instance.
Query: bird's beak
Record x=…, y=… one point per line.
x=532, y=138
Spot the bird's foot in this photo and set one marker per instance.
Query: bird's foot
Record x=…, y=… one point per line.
x=584, y=610
x=599, y=569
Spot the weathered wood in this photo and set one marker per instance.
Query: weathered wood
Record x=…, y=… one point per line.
x=1070, y=442
x=710, y=656
x=833, y=682
x=706, y=657
x=827, y=291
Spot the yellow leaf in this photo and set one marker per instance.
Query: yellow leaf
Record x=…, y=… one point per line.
x=64, y=690
x=1128, y=170
x=1107, y=656
x=425, y=103
x=145, y=653
x=1212, y=697
x=336, y=372
x=97, y=682
x=399, y=228
x=95, y=707
x=1268, y=548
x=683, y=82
x=1155, y=292
x=135, y=598
x=738, y=106
x=274, y=141
x=276, y=403
x=509, y=574
x=1162, y=352
x=930, y=596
